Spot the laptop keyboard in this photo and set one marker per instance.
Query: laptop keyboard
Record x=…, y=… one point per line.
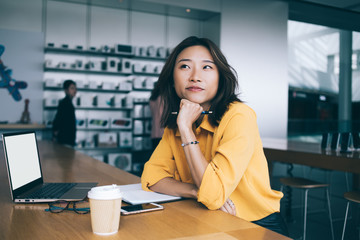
x=51, y=191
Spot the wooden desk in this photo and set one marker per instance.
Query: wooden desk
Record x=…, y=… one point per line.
x=185, y=219
x=310, y=154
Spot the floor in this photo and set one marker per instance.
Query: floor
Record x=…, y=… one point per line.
x=318, y=225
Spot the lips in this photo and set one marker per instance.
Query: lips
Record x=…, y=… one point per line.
x=194, y=89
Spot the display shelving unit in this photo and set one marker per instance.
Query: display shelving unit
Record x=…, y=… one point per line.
x=126, y=111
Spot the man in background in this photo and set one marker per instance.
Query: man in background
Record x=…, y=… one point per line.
x=64, y=124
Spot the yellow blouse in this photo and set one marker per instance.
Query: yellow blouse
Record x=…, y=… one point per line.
x=237, y=165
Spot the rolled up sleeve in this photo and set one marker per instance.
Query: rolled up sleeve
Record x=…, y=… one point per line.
x=160, y=165
x=230, y=159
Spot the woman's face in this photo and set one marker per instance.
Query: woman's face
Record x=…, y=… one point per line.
x=196, y=77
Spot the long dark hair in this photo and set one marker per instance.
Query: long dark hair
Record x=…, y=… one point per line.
x=227, y=83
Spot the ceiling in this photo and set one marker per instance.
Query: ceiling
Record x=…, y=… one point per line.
x=352, y=5
x=161, y=8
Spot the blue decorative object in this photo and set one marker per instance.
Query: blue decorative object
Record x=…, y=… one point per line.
x=6, y=81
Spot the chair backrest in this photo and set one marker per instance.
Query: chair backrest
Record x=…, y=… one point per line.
x=324, y=140
x=356, y=139
x=334, y=141
x=344, y=141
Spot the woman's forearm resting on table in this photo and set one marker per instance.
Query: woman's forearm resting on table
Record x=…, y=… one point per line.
x=176, y=188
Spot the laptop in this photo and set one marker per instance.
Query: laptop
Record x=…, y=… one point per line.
x=25, y=176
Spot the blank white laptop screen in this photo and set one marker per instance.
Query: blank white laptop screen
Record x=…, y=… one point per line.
x=23, y=159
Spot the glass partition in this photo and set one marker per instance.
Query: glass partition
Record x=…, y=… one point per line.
x=313, y=56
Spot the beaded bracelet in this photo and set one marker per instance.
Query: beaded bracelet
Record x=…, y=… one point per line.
x=185, y=144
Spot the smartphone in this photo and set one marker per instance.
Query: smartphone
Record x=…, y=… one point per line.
x=139, y=208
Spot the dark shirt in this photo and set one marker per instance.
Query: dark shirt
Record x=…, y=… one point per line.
x=65, y=122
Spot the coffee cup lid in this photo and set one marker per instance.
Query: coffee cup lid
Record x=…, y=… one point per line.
x=107, y=192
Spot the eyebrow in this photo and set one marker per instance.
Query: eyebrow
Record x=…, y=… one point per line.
x=189, y=60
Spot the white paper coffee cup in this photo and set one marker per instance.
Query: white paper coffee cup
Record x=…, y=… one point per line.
x=105, y=206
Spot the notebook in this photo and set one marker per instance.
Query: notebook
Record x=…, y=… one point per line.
x=25, y=176
x=134, y=194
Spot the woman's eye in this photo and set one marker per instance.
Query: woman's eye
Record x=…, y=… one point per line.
x=184, y=66
x=207, y=67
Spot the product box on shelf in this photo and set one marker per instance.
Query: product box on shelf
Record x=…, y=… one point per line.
x=51, y=102
x=137, y=68
x=161, y=52
x=158, y=69
x=112, y=64
x=96, y=66
x=124, y=66
x=138, y=82
x=125, y=139
x=111, y=101
x=65, y=46
x=81, y=123
x=95, y=100
x=127, y=102
x=105, y=100
x=80, y=83
x=50, y=82
x=147, y=127
x=140, y=51
x=93, y=85
x=137, y=143
x=147, y=144
x=98, y=123
x=148, y=83
x=85, y=142
x=141, y=100
x=84, y=100
x=49, y=63
x=79, y=47
x=107, y=86
x=138, y=127
x=124, y=49
x=106, y=139
x=138, y=111
x=125, y=86
x=78, y=65
x=120, y=160
x=117, y=100
x=147, y=111
x=89, y=65
x=151, y=51
x=77, y=100
x=90, y=142
x=121, y=123
x=63, y=65
x=100, y=158
x=93, y=65
x=148, y=68
x=49, y=118
x=105, y=49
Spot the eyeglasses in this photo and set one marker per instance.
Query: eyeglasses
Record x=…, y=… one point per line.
x=80, y=207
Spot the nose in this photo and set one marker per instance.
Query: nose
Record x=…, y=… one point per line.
x=195, y=76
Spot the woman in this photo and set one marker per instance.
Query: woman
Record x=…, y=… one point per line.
x=216, y=158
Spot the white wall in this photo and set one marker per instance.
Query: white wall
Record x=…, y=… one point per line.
x=25, y=59
x=66, y=23
x=21, y=15
x=254, y=39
